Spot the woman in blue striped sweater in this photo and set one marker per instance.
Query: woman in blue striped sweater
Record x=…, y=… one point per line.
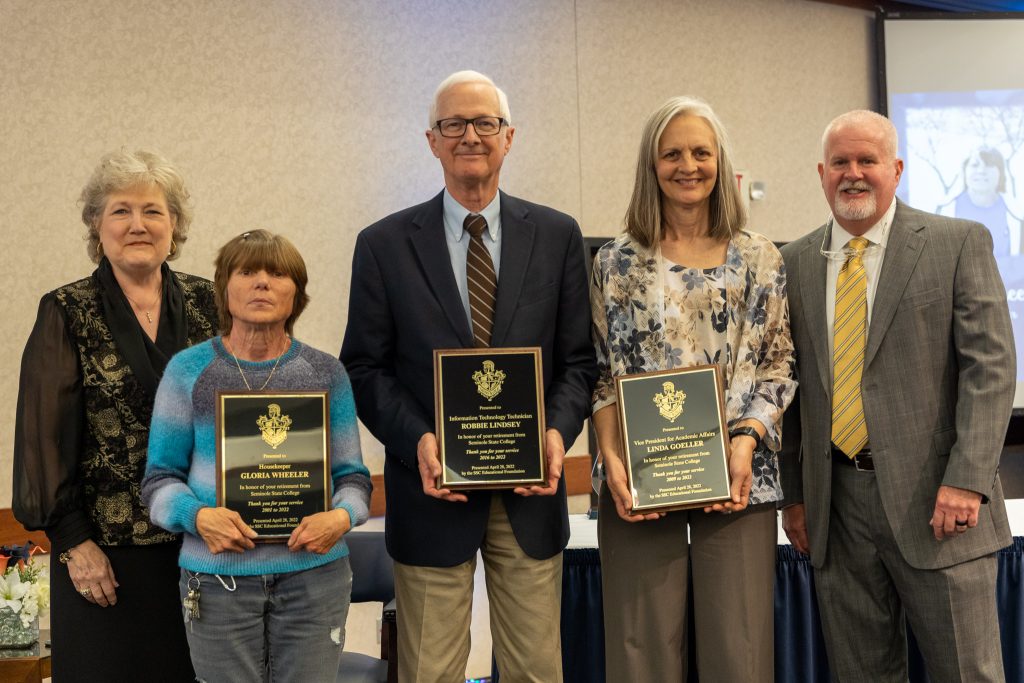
x=275, y=609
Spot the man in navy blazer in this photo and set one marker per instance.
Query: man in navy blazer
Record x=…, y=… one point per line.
x=408, y=297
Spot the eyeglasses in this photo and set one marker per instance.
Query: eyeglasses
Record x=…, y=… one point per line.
x=483, y=125
x=846, y=251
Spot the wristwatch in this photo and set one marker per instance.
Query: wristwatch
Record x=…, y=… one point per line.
x=746, y=431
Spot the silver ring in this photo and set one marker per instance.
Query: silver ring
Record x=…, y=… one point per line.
x=959, y=523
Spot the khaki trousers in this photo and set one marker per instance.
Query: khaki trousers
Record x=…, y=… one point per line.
x=644, y=576
x=435, y=607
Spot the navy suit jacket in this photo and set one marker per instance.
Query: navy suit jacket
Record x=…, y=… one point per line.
x=404, y=303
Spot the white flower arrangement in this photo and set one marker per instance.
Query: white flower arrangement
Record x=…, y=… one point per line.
x=25, y=590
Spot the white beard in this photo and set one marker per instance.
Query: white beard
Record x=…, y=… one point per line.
x=855, y=209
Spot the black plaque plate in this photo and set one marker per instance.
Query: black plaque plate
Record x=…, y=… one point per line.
x=490, y=417
x=674, y=442
x=273, y=464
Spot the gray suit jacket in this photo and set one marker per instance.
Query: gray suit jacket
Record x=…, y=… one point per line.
x=938, y=384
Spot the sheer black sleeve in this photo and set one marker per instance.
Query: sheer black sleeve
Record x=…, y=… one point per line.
x=48, y=432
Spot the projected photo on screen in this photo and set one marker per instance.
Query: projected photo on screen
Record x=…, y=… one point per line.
x=953, y=85
x=964, y=157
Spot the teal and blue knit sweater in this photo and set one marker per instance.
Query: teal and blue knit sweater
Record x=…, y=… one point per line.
x=180, y=473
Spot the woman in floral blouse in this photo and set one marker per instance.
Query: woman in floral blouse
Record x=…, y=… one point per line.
x=687, y=285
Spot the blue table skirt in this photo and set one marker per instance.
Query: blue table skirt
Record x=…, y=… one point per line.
x=799, y=648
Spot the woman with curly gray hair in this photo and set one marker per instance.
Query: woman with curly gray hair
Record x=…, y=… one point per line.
x=88, y=380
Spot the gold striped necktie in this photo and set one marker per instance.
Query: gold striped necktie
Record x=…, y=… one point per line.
x=849, y=430
x=481, y=281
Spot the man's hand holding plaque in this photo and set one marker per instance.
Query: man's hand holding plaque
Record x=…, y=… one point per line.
x=554, y=452
x=430, y=470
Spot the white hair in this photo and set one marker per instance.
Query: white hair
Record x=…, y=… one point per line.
x=469, y=77
x=864, y=118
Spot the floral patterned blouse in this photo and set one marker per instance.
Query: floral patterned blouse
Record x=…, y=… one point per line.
x=643, y=323
x=694, y=297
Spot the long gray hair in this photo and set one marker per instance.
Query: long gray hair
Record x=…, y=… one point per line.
x=643, y=218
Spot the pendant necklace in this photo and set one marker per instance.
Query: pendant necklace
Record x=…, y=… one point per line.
x=239, y=365
x=148, y=313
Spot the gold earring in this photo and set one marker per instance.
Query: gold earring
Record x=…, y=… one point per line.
x=99, y=250
x=174, y=249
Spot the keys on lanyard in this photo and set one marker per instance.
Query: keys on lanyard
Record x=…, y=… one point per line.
x=191, y=601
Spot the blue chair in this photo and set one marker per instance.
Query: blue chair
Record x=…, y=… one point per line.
x=373, y=580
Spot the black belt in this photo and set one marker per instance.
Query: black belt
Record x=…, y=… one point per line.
x=862, y=461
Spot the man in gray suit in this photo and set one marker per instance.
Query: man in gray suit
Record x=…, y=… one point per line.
x=891, y=451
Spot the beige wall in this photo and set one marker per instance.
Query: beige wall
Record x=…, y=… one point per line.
x=306, y=117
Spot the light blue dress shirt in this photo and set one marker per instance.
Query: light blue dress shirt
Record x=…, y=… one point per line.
x=458, y=241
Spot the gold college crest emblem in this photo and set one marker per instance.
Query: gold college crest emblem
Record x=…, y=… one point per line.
x=670, y=401
x=488, y=382
x=274, y=426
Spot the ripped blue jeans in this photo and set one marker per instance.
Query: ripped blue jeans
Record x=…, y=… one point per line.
x=278, y=628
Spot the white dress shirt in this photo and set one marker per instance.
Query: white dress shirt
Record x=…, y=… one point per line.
x=873, y=255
